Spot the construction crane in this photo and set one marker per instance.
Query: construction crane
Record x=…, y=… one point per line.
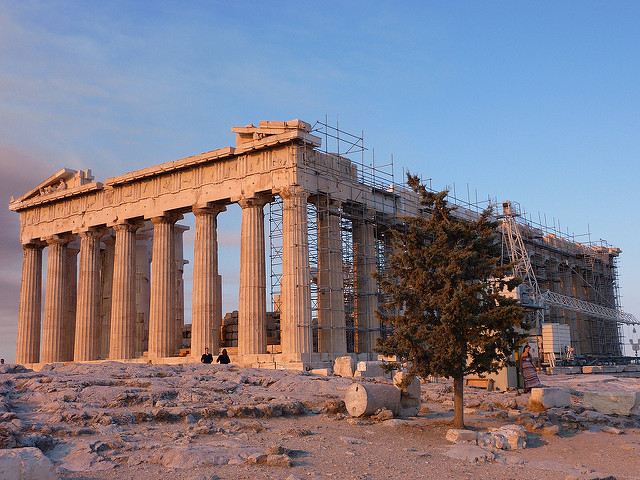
x=529, y=292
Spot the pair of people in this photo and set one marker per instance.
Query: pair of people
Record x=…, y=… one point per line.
x=222, y=359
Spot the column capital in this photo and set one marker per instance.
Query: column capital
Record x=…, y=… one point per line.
x=292, y=191
x=58, y=239
x=34, y=245
x=257, y=200
x=128, y=225
x=95, y=232
x=168, y=217
x=209, y=209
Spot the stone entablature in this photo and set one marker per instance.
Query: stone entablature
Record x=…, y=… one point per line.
x=223, y=175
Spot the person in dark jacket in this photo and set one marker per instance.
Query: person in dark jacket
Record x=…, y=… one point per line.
x=223, y=358
x=206, y=356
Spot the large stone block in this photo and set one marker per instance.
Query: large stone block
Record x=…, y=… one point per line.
x=455, y=435
x=550, y=397
x=613, y=403
x=27, y=463
x=571, y=370
x=509, y=437
x=370, y=369
x=592, y=369
x=344, y=366
x=410, y=396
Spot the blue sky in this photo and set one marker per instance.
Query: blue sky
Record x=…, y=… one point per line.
x=534, y=102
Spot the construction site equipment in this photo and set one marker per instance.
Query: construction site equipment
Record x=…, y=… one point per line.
x=575, y=267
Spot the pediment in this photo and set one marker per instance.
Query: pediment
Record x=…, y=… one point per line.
x=61, y=180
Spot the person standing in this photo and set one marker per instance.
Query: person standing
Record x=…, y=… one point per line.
x=528, y=370
x=206, y=356
x=223, y=358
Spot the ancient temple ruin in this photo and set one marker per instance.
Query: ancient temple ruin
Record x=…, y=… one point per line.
x=115, y=255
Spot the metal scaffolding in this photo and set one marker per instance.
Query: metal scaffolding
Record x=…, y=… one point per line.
x=571, y=282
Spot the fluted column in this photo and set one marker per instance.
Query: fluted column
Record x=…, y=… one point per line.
x=143, y=290
x=53, y=342
x=206, y=313
x=107, y=257
x=180, y=262
x=331, y=318
x=71, y=293
x=121, y=339
x=87, y=337
x=295, y=317
x=366, y=300
x=162, y=321
x=252, y=310
x=29, y=319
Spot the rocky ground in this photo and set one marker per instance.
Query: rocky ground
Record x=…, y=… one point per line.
x=205, y=422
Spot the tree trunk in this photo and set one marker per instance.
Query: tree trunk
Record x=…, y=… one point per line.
x=458, y=405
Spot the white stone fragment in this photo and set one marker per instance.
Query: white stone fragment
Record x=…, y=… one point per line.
x=613, y=403
x=550, y=397
x=456, y=435
x=344, y=366
x=509, y=437
x=410, y=396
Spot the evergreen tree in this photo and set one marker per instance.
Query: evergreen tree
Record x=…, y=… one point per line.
x=445, y=282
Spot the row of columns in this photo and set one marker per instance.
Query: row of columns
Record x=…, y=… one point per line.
x=72, y=316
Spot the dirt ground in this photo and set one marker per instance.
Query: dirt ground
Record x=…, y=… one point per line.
x=116, y=422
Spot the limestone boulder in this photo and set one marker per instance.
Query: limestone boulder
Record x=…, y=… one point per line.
x=455, y=435
x=410, y=396
x=550, y=397
x=470, y=453
x=613, y=403
x=509, y=437
x=27, y=463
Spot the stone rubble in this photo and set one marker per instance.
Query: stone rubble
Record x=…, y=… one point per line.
x=99, y=418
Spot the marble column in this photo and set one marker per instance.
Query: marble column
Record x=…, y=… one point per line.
x=107, y=256
x=206, y=313
x=366, y=301
x=87, y=337
x=295, y=317
x=53, y=345
x=252, y=311
x=123, y=306
x=143, y=290
x=331, y=319
x=180, y=262
x=162, y=313
x=29, y=319
x=71, y=292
